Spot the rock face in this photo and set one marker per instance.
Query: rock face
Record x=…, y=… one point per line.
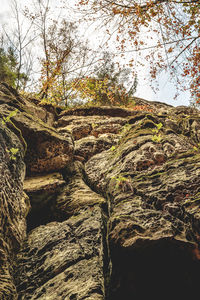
x=98, y=203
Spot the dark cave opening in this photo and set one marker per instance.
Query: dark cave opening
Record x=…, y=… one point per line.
x=160, y=271
x=39, y=216
x=42, y=210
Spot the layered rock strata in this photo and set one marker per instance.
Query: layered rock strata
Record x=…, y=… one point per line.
x=98, y=203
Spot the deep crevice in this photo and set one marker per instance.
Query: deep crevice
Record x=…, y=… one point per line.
x=40, y=214
x=162, y=270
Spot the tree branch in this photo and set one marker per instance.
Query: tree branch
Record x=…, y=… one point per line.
x=194, y=39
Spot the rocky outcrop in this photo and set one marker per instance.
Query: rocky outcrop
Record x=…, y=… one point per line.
x=108, y=207
x=13, y=207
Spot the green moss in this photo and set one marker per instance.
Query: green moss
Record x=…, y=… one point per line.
x=134, y=134
x=152, y=117
x=38, y=125
x=150, y=176
x=120, y=217
x=144, y=127
x=169, y=131
x=128, y=200
x=146, y=123
x=192, y=201
x=188, y=156
x=21, y=136
x=136, y=118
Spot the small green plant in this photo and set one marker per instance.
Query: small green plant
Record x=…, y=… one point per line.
x=123, y=183
x=159, y=126
x=94, y=125
x=197, y=147
x=125, y=128
x=8, y=120
x=11, y=114
x=12, y=152
x=156, y=138
x=113, y=148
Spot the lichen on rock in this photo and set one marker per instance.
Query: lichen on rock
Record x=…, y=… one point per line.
x=108, y=207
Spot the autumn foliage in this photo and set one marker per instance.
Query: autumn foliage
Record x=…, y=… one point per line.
x=100, y=91
x=160, y=36
x=164, y=33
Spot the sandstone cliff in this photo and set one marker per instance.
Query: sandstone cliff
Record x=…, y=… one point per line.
x=98, y=203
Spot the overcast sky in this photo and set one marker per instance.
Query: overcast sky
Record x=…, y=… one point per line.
x=4, y=8
x=166, y=89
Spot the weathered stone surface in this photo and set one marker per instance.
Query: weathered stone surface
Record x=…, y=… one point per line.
x=87, y=147
x=153, y=174
x=46, y=150
x=150, y=184
x=117, y=111
x=82, y=126
x=115, y=202
x=42, y=191
x=38, y=184
x=9, y=96
x=47, y=116
x=13, y=209
x=76, y=194
x=92, y=134
x=64, y=260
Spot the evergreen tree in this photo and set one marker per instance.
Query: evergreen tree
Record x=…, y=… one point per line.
x=9, y=68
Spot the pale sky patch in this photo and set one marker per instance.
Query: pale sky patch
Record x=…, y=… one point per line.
x=166, y=89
